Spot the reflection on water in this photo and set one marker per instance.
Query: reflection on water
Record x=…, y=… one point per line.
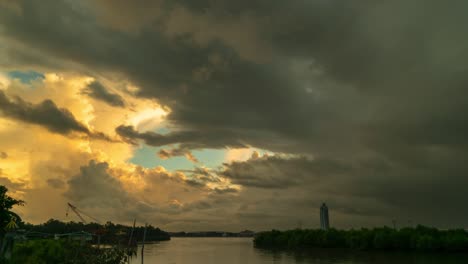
x=241, y=250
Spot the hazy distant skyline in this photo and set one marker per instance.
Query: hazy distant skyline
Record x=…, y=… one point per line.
x=233, y=115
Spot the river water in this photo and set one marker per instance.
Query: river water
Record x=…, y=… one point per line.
x=241, y=251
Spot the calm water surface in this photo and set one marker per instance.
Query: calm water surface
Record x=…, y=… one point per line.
x=241, y=250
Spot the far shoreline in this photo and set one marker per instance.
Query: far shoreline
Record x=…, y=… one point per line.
x=385, y=239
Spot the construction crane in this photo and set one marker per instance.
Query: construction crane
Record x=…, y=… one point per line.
x=79, y=213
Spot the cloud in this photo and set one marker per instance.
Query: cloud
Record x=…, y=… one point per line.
x=167, y=154
x=3, y=155
x=56, y=183
x=93, y=186
x=226, y=190
x=187, y=139
x=12, y=186
x=278, y=172
x=45, y=114
x=191, y=157
x=369, y=187
x=103, y=196
x=97, y=91
x=164, y=154
x=173, y=77
x=370, y=96
x=126, y=192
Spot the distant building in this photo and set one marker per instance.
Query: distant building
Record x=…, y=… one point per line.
x=247, y=233
x=324, y=221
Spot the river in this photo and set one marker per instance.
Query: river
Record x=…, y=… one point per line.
x=241, y=251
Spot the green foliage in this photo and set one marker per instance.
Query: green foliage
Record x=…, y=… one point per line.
x=6, y=204
x=55, y=251
x=420, y=238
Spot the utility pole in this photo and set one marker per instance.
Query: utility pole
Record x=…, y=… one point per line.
x=131, y=234
x=299, y=224
x=143, y=246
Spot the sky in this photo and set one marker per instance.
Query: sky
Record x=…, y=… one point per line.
x=232, y=115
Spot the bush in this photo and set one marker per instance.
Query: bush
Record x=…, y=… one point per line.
x=56, y=251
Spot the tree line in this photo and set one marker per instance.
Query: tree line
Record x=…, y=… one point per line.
x=109, y=232
x=419, y=238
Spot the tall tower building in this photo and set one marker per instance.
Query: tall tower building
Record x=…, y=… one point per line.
x=324, y=222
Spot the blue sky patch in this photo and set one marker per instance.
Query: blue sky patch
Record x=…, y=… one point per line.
x=210, y=157
x=163, y=130
x=26, y=76
x=147, y=157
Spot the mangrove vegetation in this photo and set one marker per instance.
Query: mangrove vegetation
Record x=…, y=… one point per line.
x=419, y=238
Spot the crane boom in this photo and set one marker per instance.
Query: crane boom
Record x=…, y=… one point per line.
x=79, y=213
x=75, y=210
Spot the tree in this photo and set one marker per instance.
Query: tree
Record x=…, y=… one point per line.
x=6, y=204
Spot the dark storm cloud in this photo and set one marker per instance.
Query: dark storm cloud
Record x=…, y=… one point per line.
x=277, y=172
x=172, y=61
x=45, y=114
x=97, y=91
x=366, y=187
x=373, y=90
x=181, y=73
x=187, y=139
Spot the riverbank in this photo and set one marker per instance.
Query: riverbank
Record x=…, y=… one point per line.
x=108, y=233
x=406, y=239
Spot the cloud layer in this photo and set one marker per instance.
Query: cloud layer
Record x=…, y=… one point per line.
x=362, y=103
